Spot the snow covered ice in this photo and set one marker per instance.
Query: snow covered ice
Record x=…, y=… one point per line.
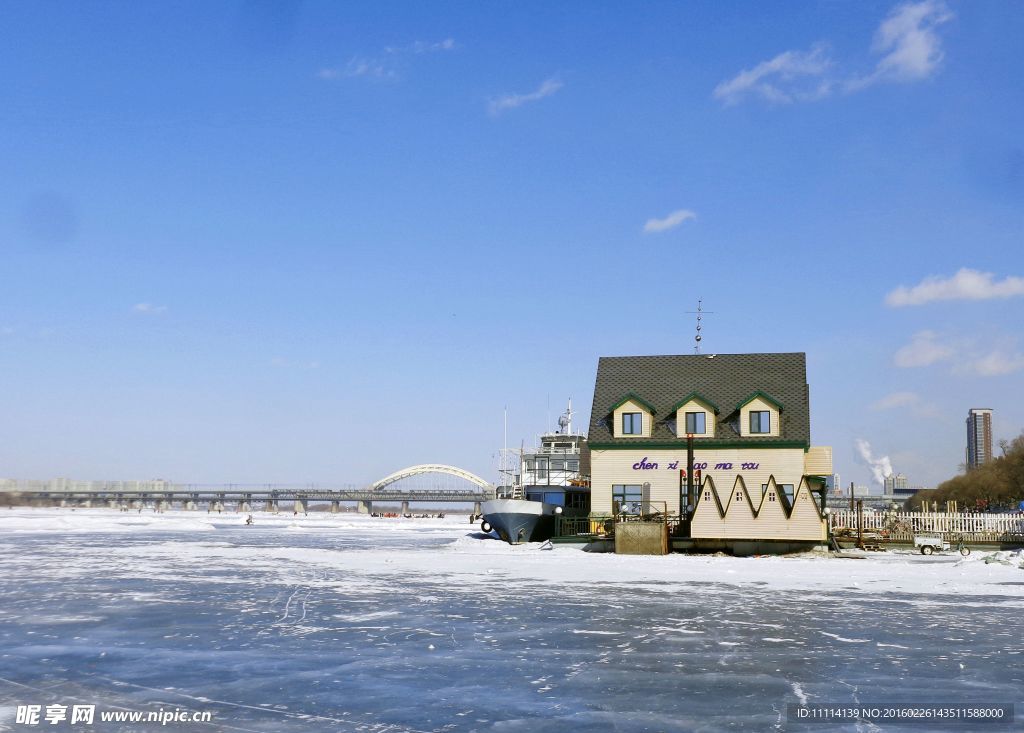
x=354, y=623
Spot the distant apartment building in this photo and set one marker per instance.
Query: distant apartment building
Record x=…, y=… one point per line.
x=979, y=437
x=895, y=481
x=834, y=484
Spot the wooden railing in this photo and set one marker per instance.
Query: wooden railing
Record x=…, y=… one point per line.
x=902, y=526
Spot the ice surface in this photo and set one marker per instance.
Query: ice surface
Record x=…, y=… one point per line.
x=354, y=623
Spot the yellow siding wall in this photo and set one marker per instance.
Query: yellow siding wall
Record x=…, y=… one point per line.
x=818, y=461
x=616, y=467
x=630, y=406
x=695, y=406
x=757, y=405
x=805, y=522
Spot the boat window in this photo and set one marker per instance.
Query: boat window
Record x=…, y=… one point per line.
x=572, y=465
x=542, y=469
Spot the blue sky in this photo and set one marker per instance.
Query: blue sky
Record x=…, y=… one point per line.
x=275, y=241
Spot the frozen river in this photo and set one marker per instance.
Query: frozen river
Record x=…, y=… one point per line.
x=344, y=623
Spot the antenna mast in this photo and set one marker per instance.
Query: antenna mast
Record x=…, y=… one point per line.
x=698, y=338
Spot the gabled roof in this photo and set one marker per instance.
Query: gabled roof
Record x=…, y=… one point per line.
x=631, y=397
x=724, y=379
x=696, y=396
x=763, y=395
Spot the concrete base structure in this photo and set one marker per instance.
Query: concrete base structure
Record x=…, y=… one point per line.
x=335, y=507
x=299, y=507
x=365, y=507
x=405, y=508
x=189, y=506
x=272, y=507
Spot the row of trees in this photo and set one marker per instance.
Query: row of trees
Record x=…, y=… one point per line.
x=998, y=484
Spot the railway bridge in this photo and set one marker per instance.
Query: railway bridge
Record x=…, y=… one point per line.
x=431, y=482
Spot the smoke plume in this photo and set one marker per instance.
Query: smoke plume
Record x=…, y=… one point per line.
x=881, y=467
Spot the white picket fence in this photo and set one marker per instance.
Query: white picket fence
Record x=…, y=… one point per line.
x=904, y=525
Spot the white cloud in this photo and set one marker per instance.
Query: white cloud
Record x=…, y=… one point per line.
x=149, y=308
x=356, y=68
x=448, y=44
x=924, y=349
x=912, y=48
x=966, y=284
x=970, y=358
x=511, y=101
x=880, y=467
x=907, y=38
x=896, y=399
x=790, y=76
x=669, y=222
x=376, y=68
x=994, y=364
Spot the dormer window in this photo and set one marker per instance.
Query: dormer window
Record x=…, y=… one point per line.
x=695, y=416
x=632, y=417
x=760, y=422
x=632, y=423
x=759, y=415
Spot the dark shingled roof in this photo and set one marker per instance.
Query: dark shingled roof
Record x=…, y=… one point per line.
x=725, y=379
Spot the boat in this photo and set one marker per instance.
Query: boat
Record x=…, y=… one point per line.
x=520, y=520
x=539, y=485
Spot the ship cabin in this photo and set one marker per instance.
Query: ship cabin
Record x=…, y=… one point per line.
x=557, y=472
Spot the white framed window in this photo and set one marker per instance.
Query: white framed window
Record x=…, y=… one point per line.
x=632, y=423
x=760, y=422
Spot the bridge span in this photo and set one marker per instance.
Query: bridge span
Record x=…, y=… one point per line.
x=433, y=483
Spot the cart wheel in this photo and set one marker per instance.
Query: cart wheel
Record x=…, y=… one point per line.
x=927, y=549
x=965, y=551
x=485, y=526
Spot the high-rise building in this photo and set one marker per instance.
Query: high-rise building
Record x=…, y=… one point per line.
x=895, y=481
x=834, y=484
x=979, y=437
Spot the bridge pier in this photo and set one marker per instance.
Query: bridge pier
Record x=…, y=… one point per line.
x=85, y=503
x=365, y=507
x=477, y=510
x=189, y=505
x=245, y=505
x=299, y=506
x=405, y=508
x=217, y=506
x=162, y=505
x=112, y=503
x=335, y=506
x=271, y=506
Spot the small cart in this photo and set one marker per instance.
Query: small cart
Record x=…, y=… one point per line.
x=930, y=543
